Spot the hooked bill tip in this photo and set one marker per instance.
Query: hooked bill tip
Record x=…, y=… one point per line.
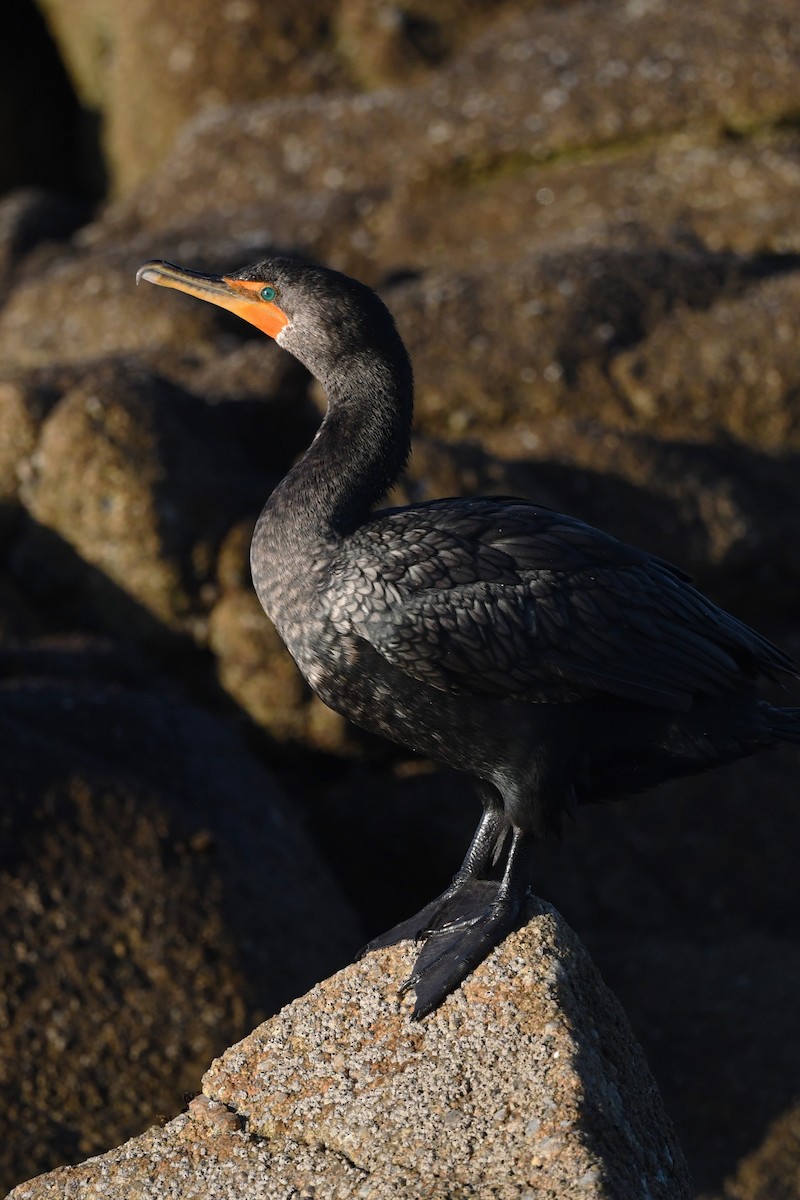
x=148, y=272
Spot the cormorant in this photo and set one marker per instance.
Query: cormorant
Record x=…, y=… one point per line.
x=548, y=660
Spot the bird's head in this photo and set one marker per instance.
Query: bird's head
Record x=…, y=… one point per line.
x=321, y=317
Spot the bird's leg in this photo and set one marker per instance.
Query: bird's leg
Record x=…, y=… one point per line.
x=469, y=890
x=453, y=950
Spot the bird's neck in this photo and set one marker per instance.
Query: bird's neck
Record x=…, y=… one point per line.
x=358, y=453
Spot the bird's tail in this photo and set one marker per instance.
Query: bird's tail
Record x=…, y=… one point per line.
x=785, y=724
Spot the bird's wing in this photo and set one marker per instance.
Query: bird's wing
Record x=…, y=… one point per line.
x=512, y=598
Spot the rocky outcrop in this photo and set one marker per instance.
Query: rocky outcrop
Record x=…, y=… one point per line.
x=146, y=857
x=144, y=69
x=539, y=84
x=527, y=1081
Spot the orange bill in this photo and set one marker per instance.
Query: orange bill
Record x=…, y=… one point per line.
x=238, y=296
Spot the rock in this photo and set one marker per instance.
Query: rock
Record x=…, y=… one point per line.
x=558, y=323
x=686, y=898
x=29, y=216
x=535, y=85
x=527, y=1081
x=734, y=999
x=23, y=411
x=156, y=898
x=384, y=43
x=147, y=71
x=732, y=369
x=726, y=195
x=98, y=468
x=129, y=472
x=66, y=310
x=773, y=1169
x=132, y=490
x=144, y=69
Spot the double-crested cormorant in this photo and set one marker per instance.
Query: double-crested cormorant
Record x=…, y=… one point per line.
x=551, y=662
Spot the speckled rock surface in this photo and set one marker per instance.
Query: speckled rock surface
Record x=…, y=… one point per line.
x=536, y=84
x=526, y=1082
x=553, y=342
x=133, y=475
x=747, y=389
x=23, y=413
x=146, y=68
x=147, y=919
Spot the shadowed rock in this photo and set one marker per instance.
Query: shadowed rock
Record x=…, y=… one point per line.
x=155, y=896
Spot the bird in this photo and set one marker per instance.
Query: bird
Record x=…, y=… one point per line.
x=549, y=661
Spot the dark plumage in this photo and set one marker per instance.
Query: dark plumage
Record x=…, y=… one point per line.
x=553, y=663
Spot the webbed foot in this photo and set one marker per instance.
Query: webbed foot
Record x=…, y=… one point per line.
x=452, y=951
x=462, y=926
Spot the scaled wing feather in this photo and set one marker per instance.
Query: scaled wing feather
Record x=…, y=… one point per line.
x=511, y=598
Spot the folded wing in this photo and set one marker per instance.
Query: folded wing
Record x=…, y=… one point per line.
x=510, y=598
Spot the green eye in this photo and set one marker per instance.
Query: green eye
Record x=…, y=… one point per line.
x=268, y=293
